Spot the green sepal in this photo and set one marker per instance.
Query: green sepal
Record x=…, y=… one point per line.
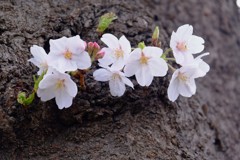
x=141, y=45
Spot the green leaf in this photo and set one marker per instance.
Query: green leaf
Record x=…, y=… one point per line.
x=21, y=98
x=105, y=21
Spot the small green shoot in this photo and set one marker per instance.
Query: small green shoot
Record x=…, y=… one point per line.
x=105, y=21
x=155, y=37
x=22, y=97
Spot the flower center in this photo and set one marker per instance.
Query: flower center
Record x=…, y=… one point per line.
x=144, y=59
x=44, y=65
x=182, y=77
x=181, y=46
x=60, y=84
x=68, y=54
x=119, y=53
x=115, y=76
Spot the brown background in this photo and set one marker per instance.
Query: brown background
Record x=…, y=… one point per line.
x=142, y=124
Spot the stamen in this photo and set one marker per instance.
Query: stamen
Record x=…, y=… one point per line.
x=68, y=54
x=119, y=53
x=60, y=84
x=144, y=59
x=181, y=46
x=182, y=77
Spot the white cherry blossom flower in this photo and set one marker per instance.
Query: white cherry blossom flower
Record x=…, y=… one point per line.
x=59, y=86
x=68, y=54
x=117, y=80
x=184, y=44
x=40, y=58
x=201, y=66
x=117, y=52
x=182, y=83
x=146, y=64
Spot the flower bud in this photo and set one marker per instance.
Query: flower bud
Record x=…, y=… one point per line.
x=100, y=54
x=155, y=37
x=93, y=48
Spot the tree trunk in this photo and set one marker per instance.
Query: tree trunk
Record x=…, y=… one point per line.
x=142, y=124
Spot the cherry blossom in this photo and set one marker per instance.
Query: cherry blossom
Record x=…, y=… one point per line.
x=40, y=58
x=117, y=79
x=146, y=64
x=201, y=66
x=59, y=86
x=117, y=52
x=68, y=54
x=184, y=44
x=182, y=83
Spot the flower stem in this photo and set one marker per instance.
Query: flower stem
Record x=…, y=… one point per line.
x=82, y=79
x=170, y=59
x=172, y=68
x=167, y=51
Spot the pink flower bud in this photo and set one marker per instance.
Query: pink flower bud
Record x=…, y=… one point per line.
x=100, y=54
x=93, y=48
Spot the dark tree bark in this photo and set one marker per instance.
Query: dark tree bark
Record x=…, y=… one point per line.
x=142, y=124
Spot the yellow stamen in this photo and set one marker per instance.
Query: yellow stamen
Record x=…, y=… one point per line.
x=182, y=77
x=68, y=54
x=60, y=84
x=144, y=59
x=181, y=46
x=115, y=76
x=119, y=53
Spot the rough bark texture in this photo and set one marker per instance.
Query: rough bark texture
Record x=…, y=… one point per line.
x=142, y=124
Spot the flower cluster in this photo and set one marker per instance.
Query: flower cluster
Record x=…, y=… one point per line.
x=66, y=54
x=118, y=62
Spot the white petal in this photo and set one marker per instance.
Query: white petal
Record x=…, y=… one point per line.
x=125, y=45
x=119, y=64
x=48, y=81
x=117, y=88
x=63, y=99
x=192, y=86
x=46, y=94
x=179, y=57
x=202, y=55
x=67, y=65
x=184, y=89
x=152, y=52
x=110, y=40
x=102, y=75
x=135, y=55
x=195, y=44
x=143, y=76
x=40, y=56
x=188, y=58
x=131, y=68
x=71, y=87
x=172, y=91
x=108, y=57
x=75, y=44
x=189, y=70
x=58, y=46
x=158, y=67
x=184, y=32
x=127, y=81
x=83, y=60
x=35, y=62
x=173, y=40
